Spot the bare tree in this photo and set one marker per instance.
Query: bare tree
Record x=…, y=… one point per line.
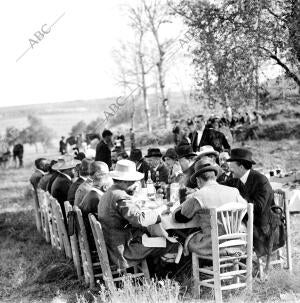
x=157, y=13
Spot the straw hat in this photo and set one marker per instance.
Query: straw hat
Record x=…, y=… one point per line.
x=126, y=171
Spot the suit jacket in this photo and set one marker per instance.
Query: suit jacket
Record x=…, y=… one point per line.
x=163, y=173
x=51, y=180
x=123, y=224
x=103, y=153
x=83, y=189
x=35, y=178
x=44, y=181
x=194, y=140
x=72, y=190
x=59, y=191
x=216, y=139
x=258, y=191
x=143, y=167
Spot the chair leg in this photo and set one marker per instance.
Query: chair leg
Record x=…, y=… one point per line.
x=196, y=278
x=288, y=239
x=261, y=268
x=145, y=270
x=217, y=287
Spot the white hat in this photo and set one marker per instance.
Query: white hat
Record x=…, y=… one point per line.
x=207, y=150
x=65, y=162
x=126, y=171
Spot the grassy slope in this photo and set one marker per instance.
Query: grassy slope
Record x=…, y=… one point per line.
x=30, y=271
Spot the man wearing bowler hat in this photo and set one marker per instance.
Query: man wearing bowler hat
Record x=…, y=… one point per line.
x=254, y=187
x=153, y=157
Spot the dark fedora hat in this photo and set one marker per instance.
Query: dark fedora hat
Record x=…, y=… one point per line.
x=136, y=155
x=170, y=153
x=184, y=150
x=241, y=154
x=203, y=166
x=153, y=152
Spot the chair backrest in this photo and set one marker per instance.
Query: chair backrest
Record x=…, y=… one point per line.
x=58, y=239
x=74, y=243
x=229, y=217
x=37, y=210
x=50, y=218
x=44, y=213
x=84, y=249
x=279, y=198
x=102, y=252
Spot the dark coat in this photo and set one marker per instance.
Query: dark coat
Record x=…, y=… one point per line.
x=51, y=180
x=103, y=153
x=216, y=139
x=143, y=167
x=163, y=174
x=194, y=140
x=44, y=181
x=72, y=190
x=35, y=178
x=59, y=191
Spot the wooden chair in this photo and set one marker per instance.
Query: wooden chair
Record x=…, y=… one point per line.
x=56, y=236
x=62, y=232
x=280, y=259
x=37, y=210
x=44, y=214
x=50, y=218
x=110, y=271
x=89, y=267
x=228, y=269
x=74, y=244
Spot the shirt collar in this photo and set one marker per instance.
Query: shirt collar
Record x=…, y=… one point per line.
x=245, y=176
x=42, y=172
x=67, y=176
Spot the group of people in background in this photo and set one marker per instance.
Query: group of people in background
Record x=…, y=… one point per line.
x=208, y=170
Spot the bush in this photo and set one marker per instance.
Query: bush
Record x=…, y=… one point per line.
x=145, y=138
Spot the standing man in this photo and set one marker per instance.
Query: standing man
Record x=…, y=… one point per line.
x=176, y=132
x=132, y=139
x=198, y=132
x=256, y=189
x=103, y=152
x=62, y=145
x=18, y=152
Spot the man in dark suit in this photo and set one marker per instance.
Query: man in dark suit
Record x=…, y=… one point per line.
x=18, y=152
x=254, y=187
x=63, y=181
x=198, y=133
x=48, y=175
x=83, y=173
x=141, y=164
x=39, y=172
x=156, y=164
x=213, y=137
x=103, y=152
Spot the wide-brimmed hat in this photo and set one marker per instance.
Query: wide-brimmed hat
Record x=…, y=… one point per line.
x=154, y=152
x=207, y=150
x=125, y=170
x=136, y=155
x=241, y=154
x=184, y=150
x=170, y=153
x=66, y=162
x=202, y=166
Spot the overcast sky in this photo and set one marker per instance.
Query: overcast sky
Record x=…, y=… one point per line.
x=73, y=61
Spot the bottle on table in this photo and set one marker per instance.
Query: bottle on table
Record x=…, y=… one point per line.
x=157, y=184
x=150, y=187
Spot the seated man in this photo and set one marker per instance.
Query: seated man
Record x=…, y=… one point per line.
x=208, y=195
x=83, y=172
x=47, y=176
x=141, y=164
x=39, y=172
x=154, y=160
x=171, y=160
x=89, y=204
x=124, y=222
x=96, y=167
x=256, y=189
x=63, y=181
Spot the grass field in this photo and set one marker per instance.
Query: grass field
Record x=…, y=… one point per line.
x=30, y=271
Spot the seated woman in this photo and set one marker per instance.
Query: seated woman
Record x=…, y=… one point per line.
x=209, y=194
